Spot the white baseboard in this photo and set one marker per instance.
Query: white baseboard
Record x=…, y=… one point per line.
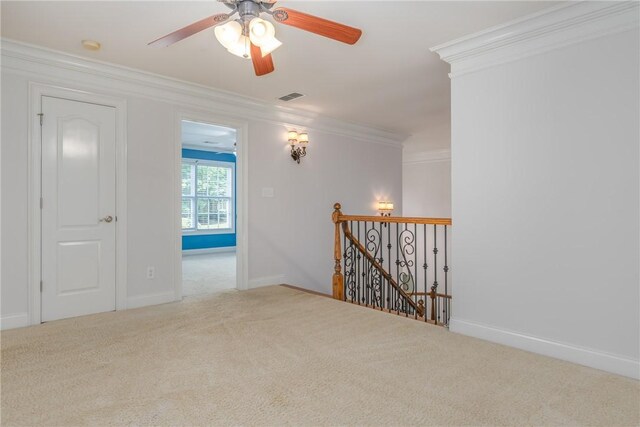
x=188, y=252
x=583, y=356
x=152, y=299
x=266, y=281
x=11, y=321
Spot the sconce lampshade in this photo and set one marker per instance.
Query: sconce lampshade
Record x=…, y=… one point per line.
x=303, y=138
x=293, y=137
x=385, y=206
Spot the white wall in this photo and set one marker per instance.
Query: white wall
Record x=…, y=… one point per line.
x=290, y=235
x=426, y=184
x=436, y=138
x=14, y=266
x=545, y=151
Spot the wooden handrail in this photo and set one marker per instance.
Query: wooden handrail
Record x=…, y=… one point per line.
x=393, y=219
x=430, y=294
x=345, y=228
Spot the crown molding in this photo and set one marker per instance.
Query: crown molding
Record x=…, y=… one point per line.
x=431, y=156
x=62, y=68
x=540, y=32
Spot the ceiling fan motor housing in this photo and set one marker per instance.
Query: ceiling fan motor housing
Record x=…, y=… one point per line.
x=248, y=10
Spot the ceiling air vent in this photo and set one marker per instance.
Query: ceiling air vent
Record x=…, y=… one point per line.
x=291, y=96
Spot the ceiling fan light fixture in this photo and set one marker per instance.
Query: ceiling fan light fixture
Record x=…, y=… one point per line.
x=269, y=46
x=253, y=38
x=261, y=31
x=241, y=48
x=258, y=28
x=228, y=34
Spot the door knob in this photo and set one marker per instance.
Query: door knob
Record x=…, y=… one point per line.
x=108, y=218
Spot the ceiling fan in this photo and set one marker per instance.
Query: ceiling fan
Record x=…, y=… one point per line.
x=249, y=36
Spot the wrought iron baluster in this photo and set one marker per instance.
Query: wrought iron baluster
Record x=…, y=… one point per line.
x=415, y=269
x=354, y=276
x=424, y=267
x=434, y=288
x=389, y=290
x=447, y=301
x=350, y=265
x=359, y=264
x=406, y=263
x=381, y=263
x=344, y=265
x=365, y=273
x=373, y=246
x=395, y=294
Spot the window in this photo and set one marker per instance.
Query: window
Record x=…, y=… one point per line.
x=207, y=195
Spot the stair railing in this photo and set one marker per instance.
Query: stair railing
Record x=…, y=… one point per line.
x=401, y=278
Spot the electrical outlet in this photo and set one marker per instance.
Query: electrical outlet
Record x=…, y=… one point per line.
x=151, y=272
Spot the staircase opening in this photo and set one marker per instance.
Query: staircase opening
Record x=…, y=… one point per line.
x=394, y=264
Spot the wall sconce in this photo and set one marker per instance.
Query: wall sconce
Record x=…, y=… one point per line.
x=299, y=142
x=385, y=208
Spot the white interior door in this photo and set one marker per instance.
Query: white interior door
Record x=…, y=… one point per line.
x=78, y=208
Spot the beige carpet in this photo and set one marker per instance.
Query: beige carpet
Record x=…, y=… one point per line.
x=208, y=273
x=277, y=356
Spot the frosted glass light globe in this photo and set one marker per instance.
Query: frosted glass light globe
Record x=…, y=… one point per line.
x=241, y=48
x=229, y=33
x=261, y=31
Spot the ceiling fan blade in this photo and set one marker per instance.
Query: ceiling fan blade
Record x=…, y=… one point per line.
x=261, y=64
x=323, y=27
x=190, y=30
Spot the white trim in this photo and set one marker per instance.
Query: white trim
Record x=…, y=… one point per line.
x=39, y=61
x=552, y=28
x=12, y=321
x=208, y=149
x=207, y=162
x=588, y=357
x=151, y=299
x=443, y=155
x=36, y=92
x=266, y=281
x=223, y=249
x=242, y=192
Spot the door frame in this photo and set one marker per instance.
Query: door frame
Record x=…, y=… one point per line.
x=36, y=92
x=242, y=193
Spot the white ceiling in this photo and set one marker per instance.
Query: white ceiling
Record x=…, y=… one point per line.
x=388, y=80
x=208, y=137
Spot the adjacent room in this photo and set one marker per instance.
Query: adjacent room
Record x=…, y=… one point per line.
x=208, y=208
x=320, y=213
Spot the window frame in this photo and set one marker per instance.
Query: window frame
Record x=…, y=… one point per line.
x=195, y=197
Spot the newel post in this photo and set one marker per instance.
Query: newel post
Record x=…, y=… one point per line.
x=338, y=278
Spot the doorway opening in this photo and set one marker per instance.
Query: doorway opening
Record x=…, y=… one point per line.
x=209, y=208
